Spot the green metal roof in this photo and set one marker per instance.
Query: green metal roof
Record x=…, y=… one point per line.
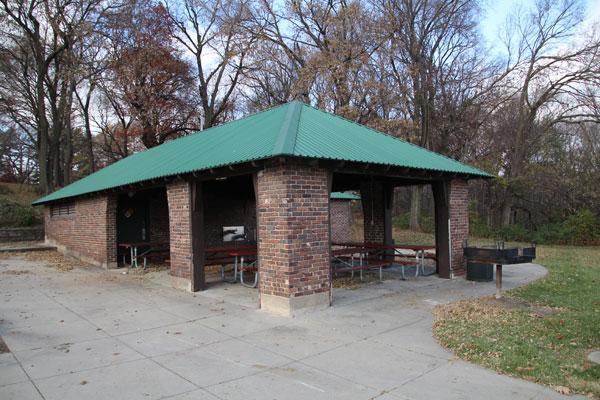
x=344, y=196
x=292, y=129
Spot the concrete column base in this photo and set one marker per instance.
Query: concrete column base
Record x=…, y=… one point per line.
x=289, y=306
x=181, y=283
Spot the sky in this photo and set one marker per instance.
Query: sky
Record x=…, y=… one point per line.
x=496, y=11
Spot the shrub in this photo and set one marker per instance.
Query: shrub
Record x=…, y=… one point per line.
x=516, y=232
x=549, y=234
x=16, y=215
x=477, y=227
x=5, y=190
x=581, y=228
x=426, y=221
x=401, y=221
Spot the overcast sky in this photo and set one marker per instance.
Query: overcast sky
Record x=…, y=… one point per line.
x=495, y=12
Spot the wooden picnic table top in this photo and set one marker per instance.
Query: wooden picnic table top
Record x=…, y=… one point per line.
x=348, y=250
x=128, y=245
x=242, y=252
x=226, y=249
x=381, y=246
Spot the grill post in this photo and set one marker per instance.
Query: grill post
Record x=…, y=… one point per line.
x=498, y=281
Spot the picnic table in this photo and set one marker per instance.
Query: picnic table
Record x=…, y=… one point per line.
x=238, y=255
x=147, y=249
x=376, y=256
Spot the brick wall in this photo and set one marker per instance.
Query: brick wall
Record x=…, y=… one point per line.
x=372, y=197
x=341, y=220
x=158, y=216
x=180, y=231
x=229, y=203
x=293, y=230
x=459, y=223
x=90, y=233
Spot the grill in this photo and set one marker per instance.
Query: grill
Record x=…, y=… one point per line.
x=498, y=255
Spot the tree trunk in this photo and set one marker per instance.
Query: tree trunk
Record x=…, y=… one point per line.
x=507, y=209
x=89, y=141
x=415, y=208
x=42, y=123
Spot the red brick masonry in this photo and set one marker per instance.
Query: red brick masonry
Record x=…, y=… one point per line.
x=180, y=231
x=459, y=224
x=341, y=221
x=371, y=194
x=293, y=231
x=89, y=233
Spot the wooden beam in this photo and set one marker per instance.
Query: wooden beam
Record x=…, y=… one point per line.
x=388, y=200
x=329, y=256
x=197, y=221
x=442, y=227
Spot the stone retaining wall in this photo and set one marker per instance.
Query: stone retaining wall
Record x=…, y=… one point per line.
x=29, y=234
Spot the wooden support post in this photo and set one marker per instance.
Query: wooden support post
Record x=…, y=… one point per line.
x=197, y=211
x=329, y=188
x=258, y=222
x=388, y=200
x=442, y=235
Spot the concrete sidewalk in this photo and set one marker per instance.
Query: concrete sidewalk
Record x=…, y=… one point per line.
x=92, y=334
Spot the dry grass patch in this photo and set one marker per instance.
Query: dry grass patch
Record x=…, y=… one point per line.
x=348, y=282
x=53, y=259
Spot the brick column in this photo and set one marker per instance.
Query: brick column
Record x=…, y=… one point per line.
x=111, y=231
x=372, y=197
x=340, y=219
x=180, y=233
x=293, y=237
x=451, y=207
x=459, y=224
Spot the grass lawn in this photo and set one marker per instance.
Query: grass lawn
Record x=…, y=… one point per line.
x=541, y=332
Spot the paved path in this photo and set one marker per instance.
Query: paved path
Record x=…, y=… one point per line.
x=90, y=334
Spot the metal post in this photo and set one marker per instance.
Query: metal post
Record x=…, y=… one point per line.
x=498, y=281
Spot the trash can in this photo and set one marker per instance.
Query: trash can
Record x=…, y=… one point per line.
x=480, y=272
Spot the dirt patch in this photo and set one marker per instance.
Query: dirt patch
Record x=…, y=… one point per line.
x=354, y=283
x=155, y=267
x=53, y=259
x=17, y=272
x=513, y=303
x=103, y=277
x=3, y=347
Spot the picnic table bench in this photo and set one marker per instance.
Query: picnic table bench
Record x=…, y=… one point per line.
x=148, y=250
x=238, y=255
x=376, y=256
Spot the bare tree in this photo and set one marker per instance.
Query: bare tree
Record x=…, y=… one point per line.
x=552, y=65
x=428, y=42
x=40, y=42
x=150, y=73
x=217, y=35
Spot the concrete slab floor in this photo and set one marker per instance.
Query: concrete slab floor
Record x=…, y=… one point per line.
x=93, y=334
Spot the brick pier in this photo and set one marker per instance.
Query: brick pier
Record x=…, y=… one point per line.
x=293, y=237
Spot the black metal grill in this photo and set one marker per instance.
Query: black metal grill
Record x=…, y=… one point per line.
x=499, y=254
x=486, y=256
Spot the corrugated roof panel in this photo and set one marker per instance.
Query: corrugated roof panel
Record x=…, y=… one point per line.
x=323, y=135
x=243, y=140
x=291, y=129
x=344, y=196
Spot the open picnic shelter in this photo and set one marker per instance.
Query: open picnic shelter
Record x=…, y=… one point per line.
x=255, y=193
